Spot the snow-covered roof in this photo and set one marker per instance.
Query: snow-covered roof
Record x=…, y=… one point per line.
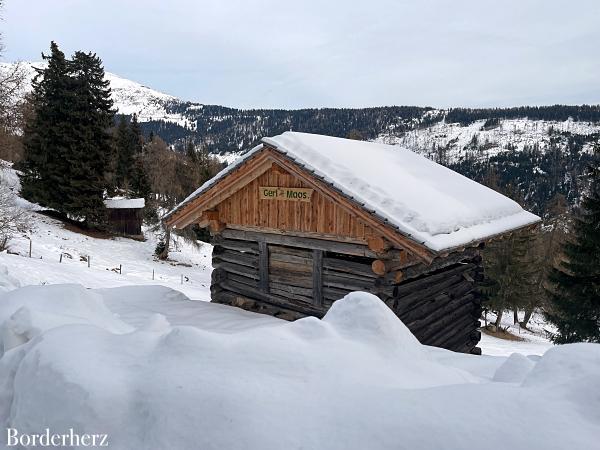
x=423, y=200
x=124, y=203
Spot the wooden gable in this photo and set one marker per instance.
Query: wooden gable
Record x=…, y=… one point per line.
x=237, y=201
x=256, y=205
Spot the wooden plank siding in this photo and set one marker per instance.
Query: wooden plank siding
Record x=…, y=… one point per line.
x=320, y=215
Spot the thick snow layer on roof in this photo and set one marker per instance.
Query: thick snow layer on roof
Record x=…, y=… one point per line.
x=124, y=203
x=431, y=204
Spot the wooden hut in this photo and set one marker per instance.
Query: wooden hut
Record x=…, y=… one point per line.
x=301, y=220
x=125, y=215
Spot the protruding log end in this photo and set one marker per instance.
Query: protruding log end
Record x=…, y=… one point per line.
x=378, y=244
x=378, y=267
x=398, y=276
x=215, y=226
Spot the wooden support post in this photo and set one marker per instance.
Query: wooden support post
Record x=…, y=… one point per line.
x=120, y=269
x=30, y=247
x=89, y=260
x=263, y=266
x=317, y=277
x=152, y=274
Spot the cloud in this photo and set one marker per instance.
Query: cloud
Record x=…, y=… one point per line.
x=330, y=53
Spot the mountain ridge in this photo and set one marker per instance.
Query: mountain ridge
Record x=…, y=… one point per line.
x=535, y=153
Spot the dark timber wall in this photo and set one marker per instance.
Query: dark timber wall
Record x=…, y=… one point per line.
x=125, y=220
x=292, y=277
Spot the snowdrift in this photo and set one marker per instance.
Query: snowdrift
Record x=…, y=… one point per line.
x=356, y=379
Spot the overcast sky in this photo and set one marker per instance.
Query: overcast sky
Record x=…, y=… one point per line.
x=313, y=53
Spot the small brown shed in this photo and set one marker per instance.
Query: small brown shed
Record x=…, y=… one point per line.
x=125, y=215
x=301, y=220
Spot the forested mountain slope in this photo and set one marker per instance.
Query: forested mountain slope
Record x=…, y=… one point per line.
x=535, y=154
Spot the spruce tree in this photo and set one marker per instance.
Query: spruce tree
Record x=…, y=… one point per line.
x=140, y=183
x=124, y=153
x=48, y=138
x=129, y=144
x=575, y=282
x=511, y=268
x=67, y=144
x=92, y=117
x=190, y=151
x=135, y=134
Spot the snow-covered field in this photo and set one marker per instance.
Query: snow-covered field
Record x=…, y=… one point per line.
x=187, y=270
x=154, y=370
x=145, y=362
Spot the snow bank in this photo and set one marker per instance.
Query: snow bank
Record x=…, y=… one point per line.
x=515, y=369
x=7, y=281
x=27, y=312
x=356, y=379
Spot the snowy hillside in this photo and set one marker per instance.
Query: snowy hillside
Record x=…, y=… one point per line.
x=128, y=96
x=477, y=140
x=225, y=130
x=188, y=269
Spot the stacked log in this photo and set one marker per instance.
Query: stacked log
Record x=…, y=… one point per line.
x=442, y=308
x=437, y=302
x=291, y=273
x=236, y=279
x=343, y=274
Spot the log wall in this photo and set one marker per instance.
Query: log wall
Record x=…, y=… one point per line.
x=269, y=274
x=125, y=220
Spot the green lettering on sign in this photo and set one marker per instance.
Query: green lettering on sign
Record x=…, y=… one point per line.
x=285, y=193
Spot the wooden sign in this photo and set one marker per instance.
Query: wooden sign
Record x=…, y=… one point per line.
x=284, y=193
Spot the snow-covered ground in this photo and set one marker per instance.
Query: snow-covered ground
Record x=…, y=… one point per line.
x=188, y=268
x=153, y=370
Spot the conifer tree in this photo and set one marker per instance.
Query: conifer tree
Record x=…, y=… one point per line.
x=190, y=151
x=124, y=153
x=129, y=145
x=92, y=117
x=66, y=143
x=575, y=282
x=140, y=183
x=137, y=140
x=47, y=137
